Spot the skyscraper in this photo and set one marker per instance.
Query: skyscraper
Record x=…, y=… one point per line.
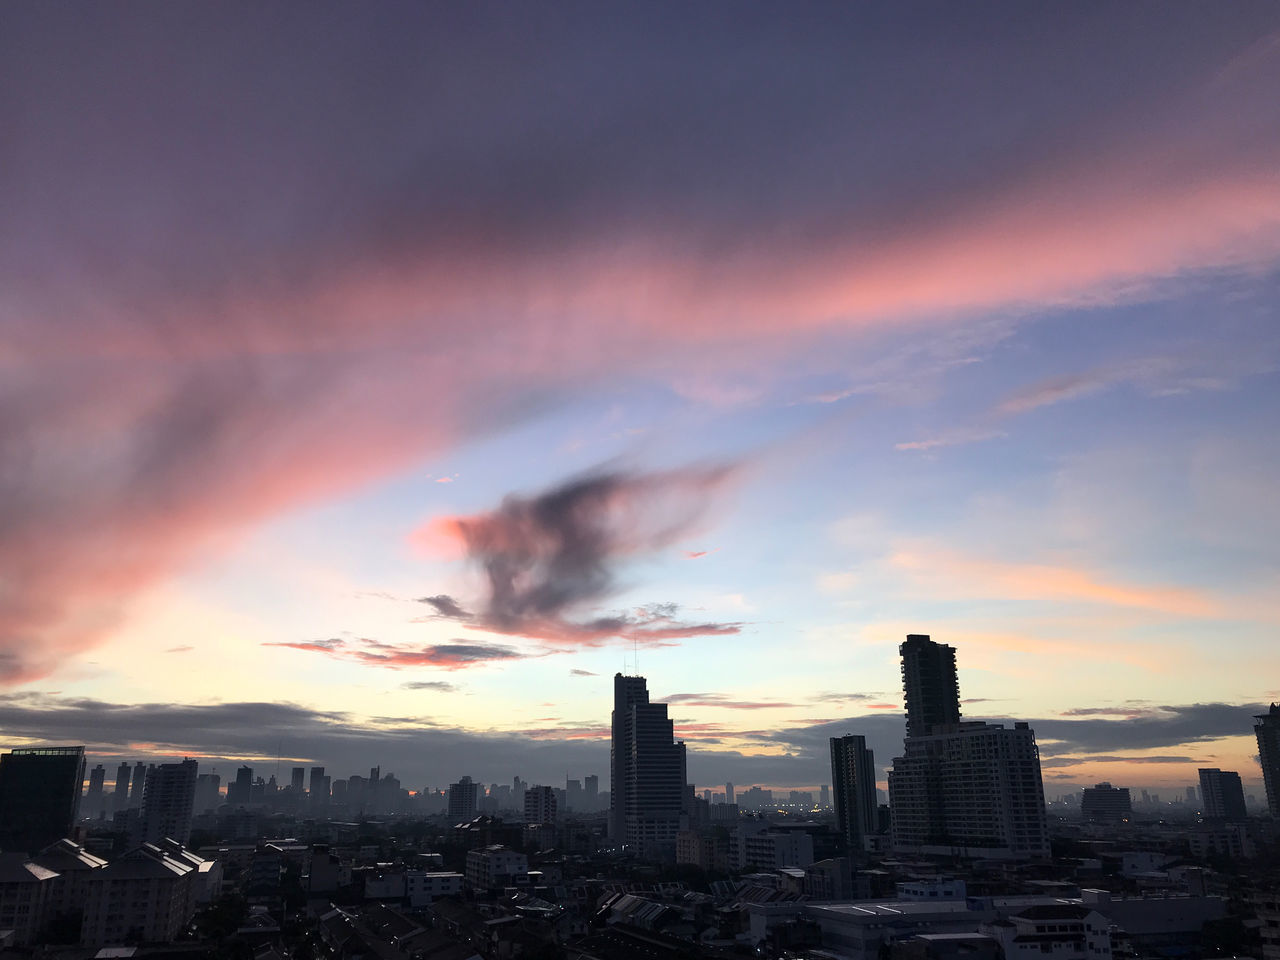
x=1222, y=794
x=39, y=796
x=648, y=793
x=1268, y=731
x=971, y=788
x=298, y=781
x=168, y=802
x=929, y=684
x=853, y=774
x=626, y=691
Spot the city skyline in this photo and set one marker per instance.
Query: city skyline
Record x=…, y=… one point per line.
x=381, y=390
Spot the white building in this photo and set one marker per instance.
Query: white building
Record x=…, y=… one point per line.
x=494, y=866
x=1052, y=931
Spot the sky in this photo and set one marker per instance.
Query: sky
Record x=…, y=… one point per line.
x=376, y=381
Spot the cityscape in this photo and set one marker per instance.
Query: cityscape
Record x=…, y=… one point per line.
x=623, y=481
x=965, y=853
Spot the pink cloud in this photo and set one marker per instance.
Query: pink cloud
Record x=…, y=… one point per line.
x=175, y=376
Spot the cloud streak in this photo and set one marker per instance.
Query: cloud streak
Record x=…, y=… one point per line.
x=445, y=656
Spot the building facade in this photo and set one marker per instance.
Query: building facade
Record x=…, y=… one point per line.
x=39, y=796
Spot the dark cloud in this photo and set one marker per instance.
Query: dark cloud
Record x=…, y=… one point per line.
x=582, y=673
x=446, y=607
x=440, y=686
x=1103, y=758
x=549, y=559
x=447, y=656
x=1167, y=726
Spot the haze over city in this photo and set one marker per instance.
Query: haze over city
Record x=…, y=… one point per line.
x=376, y=386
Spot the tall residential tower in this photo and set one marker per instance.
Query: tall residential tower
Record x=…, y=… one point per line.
x=853, y=774
x=961, y=788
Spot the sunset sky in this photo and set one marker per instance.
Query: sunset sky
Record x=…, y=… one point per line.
x=378, y=380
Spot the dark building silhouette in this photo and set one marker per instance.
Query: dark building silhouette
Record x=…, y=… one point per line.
x=1268, y=731
x=962, y=788
x=240, y=790
x=1104, y=803
x=853, y=774
x=929, y=684
x=298, y=782
x=137, y=785
x=120, y=796
x=463, y=799
x=39, y=796
x=1221, y=794
x=648, y=795
x=169, y=801
x=95, y=799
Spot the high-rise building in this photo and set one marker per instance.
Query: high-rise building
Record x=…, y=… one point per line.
x=929, y=684
x=298, y=781
x=1104, y=803
x=648, y=796
x=137, y=785
x=462, y=800
x=967, y=788
x=120, y=795
x=853, y=773
x=39, y=796
x=626, y=691
x=169, y=801
x=208, y=792
x=1268, y=731
x=540, y=805
x=728, y=793
x=591, y=790
x=240, y=790
x=95, y=799
x=1222, y=794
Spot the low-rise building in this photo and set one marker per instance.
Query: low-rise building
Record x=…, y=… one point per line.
x=423, y=887
x=27, y=892
x=148, y=894
x=494, y=866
